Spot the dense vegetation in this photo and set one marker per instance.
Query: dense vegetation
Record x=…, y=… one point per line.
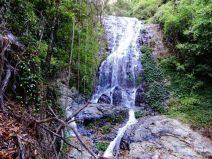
x=42, y=41
x=57, y=35
x=156, y=94
x=188, y=31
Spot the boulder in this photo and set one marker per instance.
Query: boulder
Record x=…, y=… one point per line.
x=64, y=91
x=162, y=137
x=104, y=99
x=139, y=96
x=117, y=96
x=98, y=111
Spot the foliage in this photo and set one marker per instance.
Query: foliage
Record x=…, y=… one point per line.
x=29, y=82
x=31, y=22
x=102, y=146
x=190, y=100
x=188, y=29
x=156, y=94
x=106, y=129
x=138, y=115
x=187, y=25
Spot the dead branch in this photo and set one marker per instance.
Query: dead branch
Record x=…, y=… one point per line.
x=44, y=120
x=61, y=145
x=77, y=112
x=76, y=134
x=4, y=85
x=68, y=120
x=21, y=148
x=60, y=137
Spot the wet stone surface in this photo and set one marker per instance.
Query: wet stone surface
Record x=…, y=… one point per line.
x=164, y=138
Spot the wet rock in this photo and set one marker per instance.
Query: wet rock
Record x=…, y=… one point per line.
x=104, y=99
x=139, y=97
x=98, y=111
x=75, y=154
x=65, y=92
x=117, y=96
x=162, y=137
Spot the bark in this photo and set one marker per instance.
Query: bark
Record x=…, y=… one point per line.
x=4, y=85
x=4, y=43
x=21, y=148
x=51, y=42
x=52, y=36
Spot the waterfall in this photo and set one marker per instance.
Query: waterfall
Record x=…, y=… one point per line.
x=118, y=73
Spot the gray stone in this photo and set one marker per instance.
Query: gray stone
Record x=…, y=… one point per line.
x=164, y=138
x=139, y=97
x=98, y=111
x=117, y=96
x=104, y=99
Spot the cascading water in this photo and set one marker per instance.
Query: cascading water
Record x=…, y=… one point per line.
x=118, y=73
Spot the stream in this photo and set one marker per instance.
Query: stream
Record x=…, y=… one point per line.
x=119, y=73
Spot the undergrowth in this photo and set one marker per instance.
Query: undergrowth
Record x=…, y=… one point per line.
x=156, y=93
x=190, y=99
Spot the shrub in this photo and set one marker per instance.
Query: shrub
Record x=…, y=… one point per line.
x=156, y=94
x=138, y=115
x=106, y=129
x=102, y=146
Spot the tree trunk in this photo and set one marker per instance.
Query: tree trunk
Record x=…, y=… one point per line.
x=51, y=42
x=52, y=34
x=4, y=85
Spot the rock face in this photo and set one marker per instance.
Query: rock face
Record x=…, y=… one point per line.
x=98, y=111
x=75, y=154
x=104, y=99
x=117, y=96
x=165, y=138
x=68, y=96
x=139, y=97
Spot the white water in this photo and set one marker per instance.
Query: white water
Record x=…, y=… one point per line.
x=121, y=69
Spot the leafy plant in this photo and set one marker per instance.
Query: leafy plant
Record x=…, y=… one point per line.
x=106, y=129
x=138, y=115
x=156, y=94
x=29, y=82
x=102, y=146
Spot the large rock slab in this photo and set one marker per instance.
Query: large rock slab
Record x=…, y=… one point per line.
x=160, y=137
x=98, y=111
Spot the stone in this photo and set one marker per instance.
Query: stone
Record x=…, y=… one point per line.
x=117, y=96
x=139, y=96
x=75, y=154
x=104, y=99
x=98, y=111
x=162, y=137
x=64, y=91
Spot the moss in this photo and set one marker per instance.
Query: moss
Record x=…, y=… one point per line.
x=114, y=118
x=102, y=146
x=106, y=129
x=138, y=115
